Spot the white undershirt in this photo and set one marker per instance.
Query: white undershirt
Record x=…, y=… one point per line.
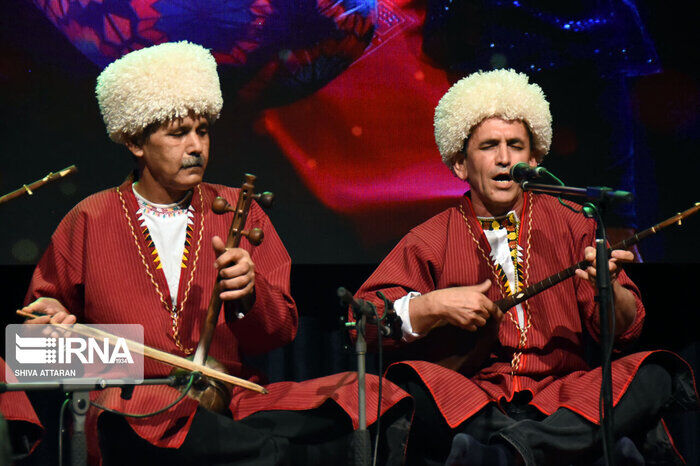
x=500, y=254
x=167, y=224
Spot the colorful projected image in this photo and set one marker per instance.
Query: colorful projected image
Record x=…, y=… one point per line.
x=332, y=102
x=278, y=50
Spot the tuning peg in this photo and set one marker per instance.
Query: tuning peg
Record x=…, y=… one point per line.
x=221, y=206
x=265, y=199
x=255, y=236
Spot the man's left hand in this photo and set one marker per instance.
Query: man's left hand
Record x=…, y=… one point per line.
x=625, y=304
x=236, y=271
x=617, y=257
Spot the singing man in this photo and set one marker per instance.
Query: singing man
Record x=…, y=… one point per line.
x=533, y=399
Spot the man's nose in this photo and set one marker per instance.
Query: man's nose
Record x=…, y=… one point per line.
x=194, y=142
x=502, y=155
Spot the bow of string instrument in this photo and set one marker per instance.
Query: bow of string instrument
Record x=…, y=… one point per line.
x=213, y=388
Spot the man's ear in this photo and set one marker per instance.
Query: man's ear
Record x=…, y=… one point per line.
x=459, y=167
x=135, y=149
x=532, y=161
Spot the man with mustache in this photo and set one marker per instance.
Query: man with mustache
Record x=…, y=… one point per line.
x=532, y=398
x=148, y=252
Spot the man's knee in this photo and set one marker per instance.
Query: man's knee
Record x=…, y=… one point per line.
x=653, y=382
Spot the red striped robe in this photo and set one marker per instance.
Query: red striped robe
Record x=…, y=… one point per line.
x=441, y=253
x=94, y=268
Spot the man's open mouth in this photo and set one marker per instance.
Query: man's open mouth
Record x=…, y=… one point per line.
x=503, y=178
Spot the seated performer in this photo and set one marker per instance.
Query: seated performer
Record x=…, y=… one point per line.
x=148, y=252
x=532, y=398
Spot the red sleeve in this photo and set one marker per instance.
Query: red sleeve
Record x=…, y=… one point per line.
x=411, y=266
x=59, y=274
x=273, y=319
x=14, y=405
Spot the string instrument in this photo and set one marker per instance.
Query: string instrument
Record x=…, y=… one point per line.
x=212, y=393
x=465, y=352
x=31, y=187
x=158, y=355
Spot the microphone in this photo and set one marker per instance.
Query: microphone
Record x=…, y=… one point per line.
x=359, y=306
x=362, y=307
x=522, y=171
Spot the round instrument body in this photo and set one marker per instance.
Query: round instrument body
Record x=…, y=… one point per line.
x=211, y=394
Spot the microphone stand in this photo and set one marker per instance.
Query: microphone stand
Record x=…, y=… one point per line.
x=606, y=310
x=598, y=194
x=596, y=197
x=361, y=442
x=390, y=326
x=80, y=403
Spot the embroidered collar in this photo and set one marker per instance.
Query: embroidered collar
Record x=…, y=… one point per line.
x=163, y=210
x=509, y=221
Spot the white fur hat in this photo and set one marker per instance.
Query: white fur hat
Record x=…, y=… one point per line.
x=499, y=93
x=158, y=84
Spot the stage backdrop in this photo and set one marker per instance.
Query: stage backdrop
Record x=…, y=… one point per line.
x=330, y=104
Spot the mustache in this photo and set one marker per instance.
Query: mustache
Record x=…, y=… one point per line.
x=193, y=161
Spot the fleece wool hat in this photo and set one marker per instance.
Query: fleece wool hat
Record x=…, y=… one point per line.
x=158, y=84
x=505, y=94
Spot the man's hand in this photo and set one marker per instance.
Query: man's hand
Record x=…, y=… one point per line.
x=625, y=304
x=55, y=312
x=236, y=271
x=617, y=257
x=464, y=306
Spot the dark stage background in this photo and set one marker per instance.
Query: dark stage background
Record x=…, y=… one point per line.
x=319, y=349
x=354, y=167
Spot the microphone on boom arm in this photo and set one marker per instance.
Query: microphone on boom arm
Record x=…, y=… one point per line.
x=522, y=171
x=390, y=325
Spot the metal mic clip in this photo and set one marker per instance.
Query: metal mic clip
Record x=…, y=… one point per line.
x=392, y=321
